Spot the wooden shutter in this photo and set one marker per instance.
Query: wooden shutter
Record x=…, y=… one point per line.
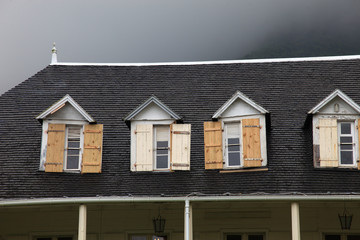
x=55, y=148
x=144, y=147
x=213, y=145
x=180, y=146
x=328, y=142
x=251, y=142
x=358, y=161
x=92, y=153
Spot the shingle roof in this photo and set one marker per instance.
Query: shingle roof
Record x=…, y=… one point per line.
x=286, y=89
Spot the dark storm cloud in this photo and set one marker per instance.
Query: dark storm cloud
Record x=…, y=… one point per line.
x=156, y=30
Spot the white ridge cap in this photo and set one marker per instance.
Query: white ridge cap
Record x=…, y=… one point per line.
x=266, y=60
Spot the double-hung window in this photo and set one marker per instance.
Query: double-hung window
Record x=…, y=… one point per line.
x=232, y=138
x=346, y=143
x=73, y=150
x=162, y=147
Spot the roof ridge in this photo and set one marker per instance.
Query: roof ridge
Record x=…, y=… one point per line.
x=265, y=60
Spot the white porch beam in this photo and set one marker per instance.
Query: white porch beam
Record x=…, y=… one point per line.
x=295, y=221
x=82, y=223
x=188, y=233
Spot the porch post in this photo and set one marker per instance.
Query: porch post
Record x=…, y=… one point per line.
x=295, y=221
x=82, y=223
x=188, y=221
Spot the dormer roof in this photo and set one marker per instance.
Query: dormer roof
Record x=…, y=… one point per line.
x=333, y=95
x=60, y=104
x=244, y=98
x=152, y=100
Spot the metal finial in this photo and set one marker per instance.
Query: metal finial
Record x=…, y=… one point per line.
x=53, y=50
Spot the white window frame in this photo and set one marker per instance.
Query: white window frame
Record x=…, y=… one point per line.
x=45, y=126
x=352, y=124
x=67, y=148
x=225, y=144
x=155, y=127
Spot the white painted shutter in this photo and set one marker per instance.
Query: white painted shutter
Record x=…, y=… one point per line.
x=144, y=147
x=328, y=142
x=180, y=146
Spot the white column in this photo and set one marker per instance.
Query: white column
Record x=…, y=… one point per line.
x=82, y=223
x=295, y=221
x=188, y=221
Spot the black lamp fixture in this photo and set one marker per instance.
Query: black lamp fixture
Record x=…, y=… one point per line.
x=159, y=224
x=345, y=219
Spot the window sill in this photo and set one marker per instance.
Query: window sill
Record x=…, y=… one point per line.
x=259, y=169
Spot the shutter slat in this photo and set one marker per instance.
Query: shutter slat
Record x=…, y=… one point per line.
x=144, y=147
x=251, y=142
x=55, y=148
x=213, y=145
x=180, y=150
x=92, y=154
x=328, y=142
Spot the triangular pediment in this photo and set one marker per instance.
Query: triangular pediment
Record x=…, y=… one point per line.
x=65, y=109
x=152, y=109
x=336, y=103
x=239, y=105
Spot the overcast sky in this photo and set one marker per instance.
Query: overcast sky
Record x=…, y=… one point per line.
x=153, y=30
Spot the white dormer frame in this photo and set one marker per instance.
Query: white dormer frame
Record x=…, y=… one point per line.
x=336, y=93
x=243, y=97
x=61, y=103
x=333, y=159
x=156, y=101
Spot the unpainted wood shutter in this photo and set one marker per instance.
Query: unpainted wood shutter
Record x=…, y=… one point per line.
x=180, y=146
x=55, y=148
x=144, y=147
x=328, y=137
x=92, y=153
x=251, y=142
x=213, y=145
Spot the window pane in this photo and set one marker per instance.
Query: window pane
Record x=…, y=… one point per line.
x=73, y=152
x=233, y=237
x=346, y=139
x=233, y=141
x=255, y=237
x=353, y=237
x=74, y=144
x=234, y=159
x=346, y=147
x=162, y=133
x=346, y=157
x=332, y=237
x=72, y=162
x=162, y=162
x=162, y=152
x=345, y=128
x=162, y=144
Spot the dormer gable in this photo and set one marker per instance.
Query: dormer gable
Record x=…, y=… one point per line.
x=65, y=109
x=152, y=109
x=239, y=105
x=336, y=103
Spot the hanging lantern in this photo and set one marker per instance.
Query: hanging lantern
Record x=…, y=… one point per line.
x=159, y=224
x=345, y=220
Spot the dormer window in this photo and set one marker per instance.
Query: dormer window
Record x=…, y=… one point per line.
x=71, y=141
x=238, y=138
x=336, y=131
x=158, y=141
